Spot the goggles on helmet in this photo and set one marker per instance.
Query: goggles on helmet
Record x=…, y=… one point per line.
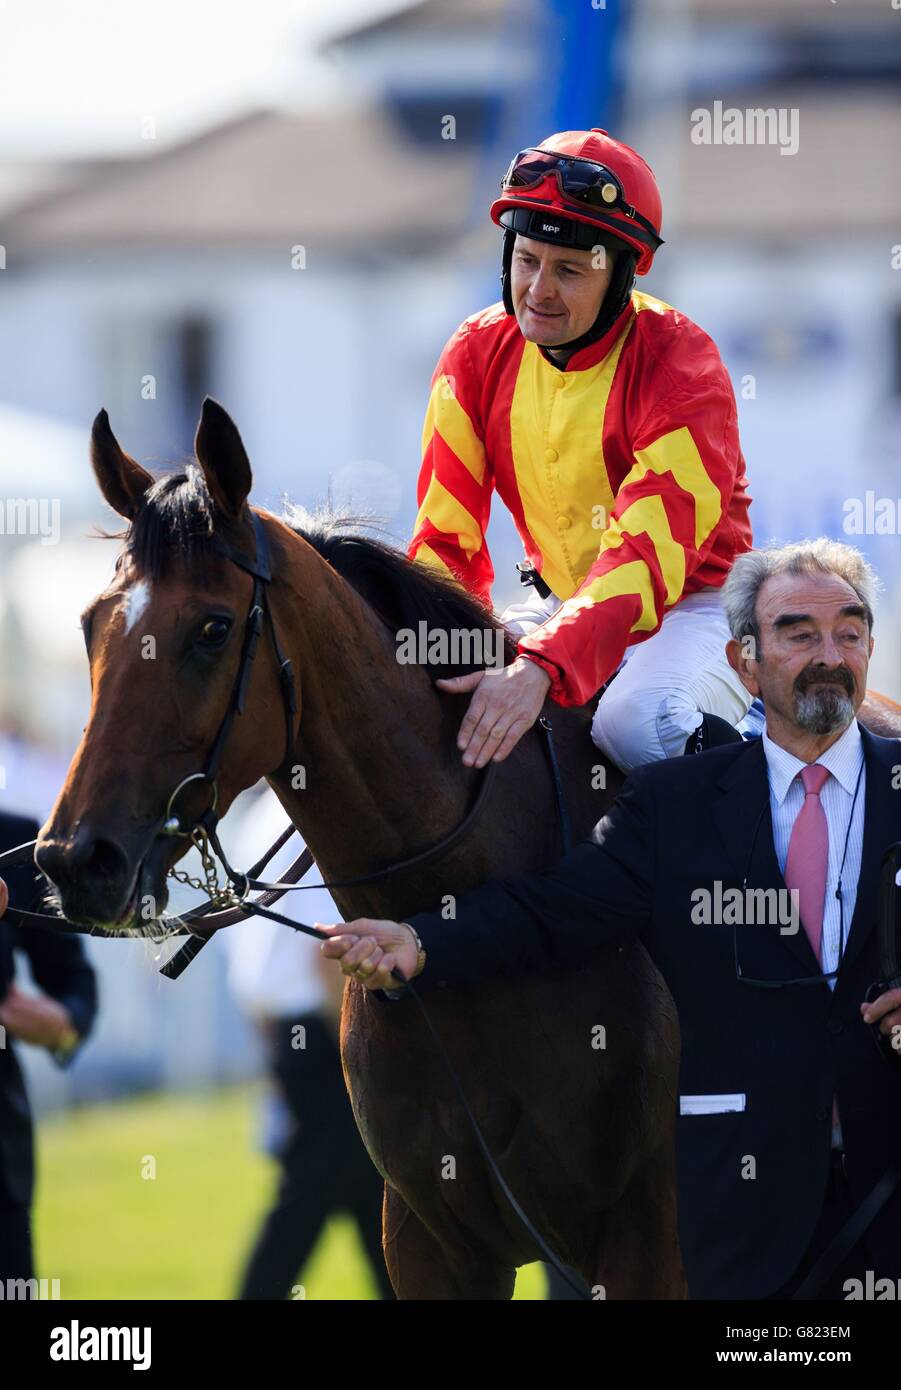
x=580, y=181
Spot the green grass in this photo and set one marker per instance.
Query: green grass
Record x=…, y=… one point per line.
x=106, y=1231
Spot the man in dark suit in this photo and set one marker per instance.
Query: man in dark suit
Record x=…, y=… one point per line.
x=789, y=1114
x=59, y=1019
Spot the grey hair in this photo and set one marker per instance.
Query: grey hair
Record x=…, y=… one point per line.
x=822, y=556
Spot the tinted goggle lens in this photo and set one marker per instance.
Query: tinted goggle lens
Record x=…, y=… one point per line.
x=579, y=179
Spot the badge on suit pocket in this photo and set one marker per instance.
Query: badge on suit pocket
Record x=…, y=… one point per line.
x=711, y=1104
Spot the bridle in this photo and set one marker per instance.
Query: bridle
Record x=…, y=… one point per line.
x=230, y=900
x=202, y=832
x=232, y=895
x=227, y=902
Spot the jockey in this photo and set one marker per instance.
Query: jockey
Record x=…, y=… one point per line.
x=606, y=421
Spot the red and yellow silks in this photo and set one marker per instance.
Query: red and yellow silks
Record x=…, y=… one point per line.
x=623, y=474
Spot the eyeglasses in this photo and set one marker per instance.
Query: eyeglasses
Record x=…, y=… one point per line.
x=824, y=976
x=580, y=181
x=819, y=979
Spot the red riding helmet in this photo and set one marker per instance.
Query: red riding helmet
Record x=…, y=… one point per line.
x=621, y=197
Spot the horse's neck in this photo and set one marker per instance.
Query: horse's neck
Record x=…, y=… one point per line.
x=372, y=778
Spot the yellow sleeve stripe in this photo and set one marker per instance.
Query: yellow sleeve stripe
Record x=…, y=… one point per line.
x=626, y=580
x=647, y=516
x=446, y=415
x=450, y=517
x=425, y=555
x=677, y=453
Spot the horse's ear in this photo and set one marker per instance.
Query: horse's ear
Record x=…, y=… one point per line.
x=222, y=458
x=120, y=478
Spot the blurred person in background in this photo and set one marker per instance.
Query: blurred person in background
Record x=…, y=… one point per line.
x=284, y=986
x=59, y=1019
x=607, y=423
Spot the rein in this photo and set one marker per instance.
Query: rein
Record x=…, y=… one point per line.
x=229, y=900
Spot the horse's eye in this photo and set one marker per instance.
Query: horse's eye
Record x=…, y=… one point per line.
x=214, y=632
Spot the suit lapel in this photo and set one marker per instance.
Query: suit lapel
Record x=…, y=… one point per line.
x=741, y=814
x=882, y=826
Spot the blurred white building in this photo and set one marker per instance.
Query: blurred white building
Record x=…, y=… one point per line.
x=792, y=262
x=303, y=268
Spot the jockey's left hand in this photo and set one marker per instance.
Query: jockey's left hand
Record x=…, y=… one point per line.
x=506, y=703
x=887, y=1008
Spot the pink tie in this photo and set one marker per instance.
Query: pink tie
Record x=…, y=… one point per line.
x=805, y=868
x=808, y=855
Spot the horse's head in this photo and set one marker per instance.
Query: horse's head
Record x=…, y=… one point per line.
x=165, y=643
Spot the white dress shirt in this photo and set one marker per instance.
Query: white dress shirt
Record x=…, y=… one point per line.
x=845, y=761
x=844, y=819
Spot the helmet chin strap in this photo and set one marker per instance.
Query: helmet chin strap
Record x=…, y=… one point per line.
x=615, y=300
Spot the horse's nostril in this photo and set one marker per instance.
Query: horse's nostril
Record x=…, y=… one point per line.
x=86, y=858
x=104, y=860
x=50, y=858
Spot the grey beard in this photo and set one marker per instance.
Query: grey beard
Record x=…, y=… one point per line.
x=825, y=710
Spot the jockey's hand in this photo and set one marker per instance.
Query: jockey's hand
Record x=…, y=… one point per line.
x=887, y=1008
x=4, y=897
x=368, y=950
x=506, y=703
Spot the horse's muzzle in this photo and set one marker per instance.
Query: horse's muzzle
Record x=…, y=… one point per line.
x=99, y=882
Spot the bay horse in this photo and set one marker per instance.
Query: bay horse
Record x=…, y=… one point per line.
x=584, y=1136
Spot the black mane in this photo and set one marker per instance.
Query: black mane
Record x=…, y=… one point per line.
x=177, y=518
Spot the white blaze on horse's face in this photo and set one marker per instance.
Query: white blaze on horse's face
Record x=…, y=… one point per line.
x=134, y=601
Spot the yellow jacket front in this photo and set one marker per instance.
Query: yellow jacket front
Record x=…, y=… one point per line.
x=622, y=471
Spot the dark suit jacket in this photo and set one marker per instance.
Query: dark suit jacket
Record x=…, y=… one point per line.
x=60, y=969
x=678, y=826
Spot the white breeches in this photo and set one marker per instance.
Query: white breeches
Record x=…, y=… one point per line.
x=664, y=686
